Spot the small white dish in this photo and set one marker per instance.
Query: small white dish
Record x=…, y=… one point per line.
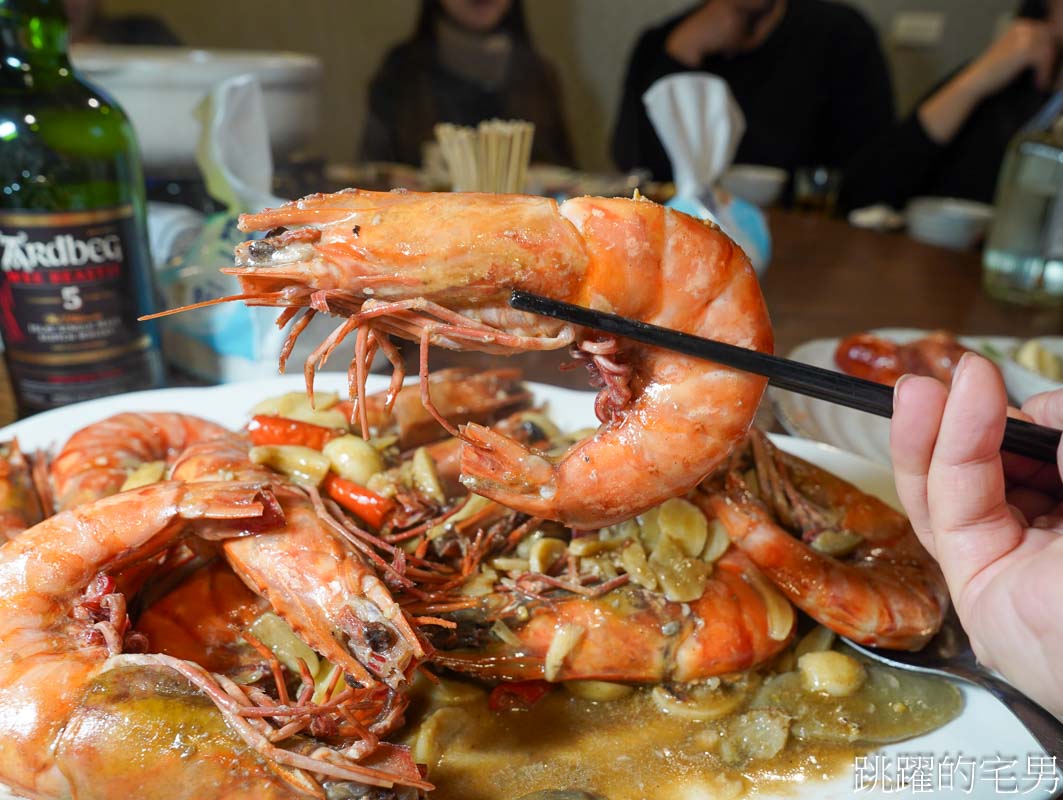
x=754, y=183
x=847, y=428
x=948, y=221
x=1022, y=382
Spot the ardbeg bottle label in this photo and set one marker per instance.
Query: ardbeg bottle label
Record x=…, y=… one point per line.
x=68, y=306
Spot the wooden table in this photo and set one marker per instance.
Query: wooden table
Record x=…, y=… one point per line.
x=829, y=279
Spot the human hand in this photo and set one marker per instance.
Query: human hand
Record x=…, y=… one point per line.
x=1026, y=44
x=994, y=524
x=718, y=26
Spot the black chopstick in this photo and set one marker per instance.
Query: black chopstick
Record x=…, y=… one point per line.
x=1021, y=438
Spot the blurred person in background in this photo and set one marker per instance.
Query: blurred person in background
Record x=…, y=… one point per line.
x=468, y=61
x=809, y=76
x=89, y=24
x=954, y=142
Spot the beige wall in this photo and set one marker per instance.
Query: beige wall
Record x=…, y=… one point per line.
x=587, y=40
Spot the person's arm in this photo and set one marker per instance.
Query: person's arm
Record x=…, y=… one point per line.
x=894, y=166
x=995, y=525
x=1026, y=44
x=713, y=28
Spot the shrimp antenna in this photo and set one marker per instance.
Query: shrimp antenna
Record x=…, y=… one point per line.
x=216, y=301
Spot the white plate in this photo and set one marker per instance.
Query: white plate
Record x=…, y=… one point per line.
x=846, y=428
x=984, y=731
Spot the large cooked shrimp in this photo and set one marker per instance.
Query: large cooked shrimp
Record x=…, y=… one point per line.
x=311, y=574
x=438, y=269
x=318, y=585
x=60, y=625
x=630, y=634
x=860, y=570
x=97, y=460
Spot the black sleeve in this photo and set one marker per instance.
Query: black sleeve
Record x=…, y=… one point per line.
x=635, y=144
x=860, y=93
x=891, y=168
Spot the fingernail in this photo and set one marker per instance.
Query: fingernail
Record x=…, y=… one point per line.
x=897, y=390
x=961, y=366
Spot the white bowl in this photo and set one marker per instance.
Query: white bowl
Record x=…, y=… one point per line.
x=948, y=221
x=160, y=87
x=754, y=183
x=1023, y=383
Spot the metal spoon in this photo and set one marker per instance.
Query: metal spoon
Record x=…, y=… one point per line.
x=949, y=654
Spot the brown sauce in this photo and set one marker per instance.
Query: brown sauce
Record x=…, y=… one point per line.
x=629, y=749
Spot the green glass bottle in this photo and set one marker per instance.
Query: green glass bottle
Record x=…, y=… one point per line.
x=74, y=267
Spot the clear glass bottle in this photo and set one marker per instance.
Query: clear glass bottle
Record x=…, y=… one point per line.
x=1023, y=261
x=74, y=267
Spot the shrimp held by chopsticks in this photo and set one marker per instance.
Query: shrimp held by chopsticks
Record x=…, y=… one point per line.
x=438, y=269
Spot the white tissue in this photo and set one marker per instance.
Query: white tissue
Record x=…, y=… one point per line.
x=700, y=125
x=228, y=342
x=233, y=150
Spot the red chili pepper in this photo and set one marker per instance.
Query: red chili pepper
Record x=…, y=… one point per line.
x=519, y=696
x=368, y=505
x=266, y=429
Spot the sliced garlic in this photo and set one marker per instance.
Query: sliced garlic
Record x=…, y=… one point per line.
x=780, y=613
x=480, y=584
x=831, y=672
x=147, y=473
x=566, y=637
x=598, y=691
x=353, y=458
x=285, y=404
x=544, y=554
x=685, y=524
x=716, y=542
x=816, y=640
x=702, y=702
x=425, y=477
x=505, y=633
x=507, y=564
x=633, y=560
x=473, y=505
x=304, y=465
x=591, y=546
x=278, y=636
x=836, y=543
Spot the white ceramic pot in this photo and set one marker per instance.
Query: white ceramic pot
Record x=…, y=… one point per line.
x=160, y=87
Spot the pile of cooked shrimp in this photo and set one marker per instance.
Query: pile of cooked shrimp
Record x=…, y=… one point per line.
x=277, y=587
x=183, y=606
